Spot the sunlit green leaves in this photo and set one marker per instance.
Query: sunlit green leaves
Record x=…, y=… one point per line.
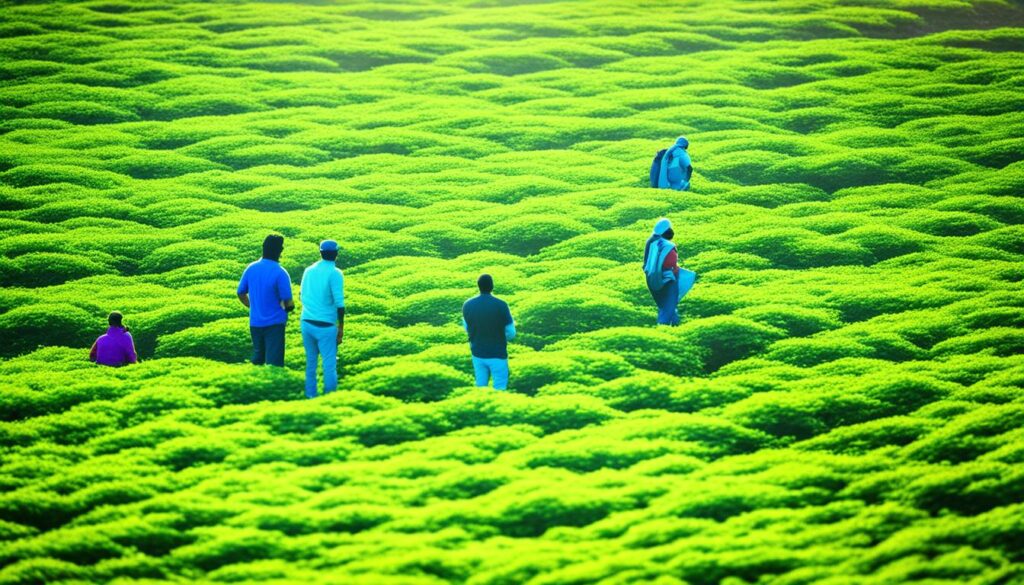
x=841, y=403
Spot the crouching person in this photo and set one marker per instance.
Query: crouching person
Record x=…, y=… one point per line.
x=115, y=347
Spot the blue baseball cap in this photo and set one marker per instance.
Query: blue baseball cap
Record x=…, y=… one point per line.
x=328, y=246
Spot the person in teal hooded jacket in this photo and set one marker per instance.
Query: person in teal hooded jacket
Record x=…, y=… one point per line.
x=675, y=167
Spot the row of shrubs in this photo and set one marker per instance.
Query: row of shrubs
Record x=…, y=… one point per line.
x=193, y=477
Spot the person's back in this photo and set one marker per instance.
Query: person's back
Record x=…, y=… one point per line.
x=323, y=317
x=488, y=321
x=266, y=290
x=267, y=285
x=115, y=347
x=675, y=167
x=486, y=317
x=679, y=170
x=322, y=291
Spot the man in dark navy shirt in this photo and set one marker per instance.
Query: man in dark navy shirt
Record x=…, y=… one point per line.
x=490, y=326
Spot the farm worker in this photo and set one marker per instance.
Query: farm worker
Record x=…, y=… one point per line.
x=672, y=168
x=489, y=324
x=266, y=290
x=667, y=282
x=115, y=347
x=322, y=292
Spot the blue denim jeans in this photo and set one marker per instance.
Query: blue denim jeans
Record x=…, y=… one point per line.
x=320, y=342
x=487, y=368
x=268, y=345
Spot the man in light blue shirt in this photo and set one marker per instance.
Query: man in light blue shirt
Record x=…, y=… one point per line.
x=323, y=317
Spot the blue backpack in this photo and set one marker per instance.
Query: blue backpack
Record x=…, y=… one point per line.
x=656, y=167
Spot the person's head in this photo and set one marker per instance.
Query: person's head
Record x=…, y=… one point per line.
x=115, y=319
x=682, y=142
x=273, y=245
x=329, y=250
x=663, y=228
x=485, y=283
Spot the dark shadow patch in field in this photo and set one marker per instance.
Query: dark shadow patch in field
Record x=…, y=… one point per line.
x=981, y=16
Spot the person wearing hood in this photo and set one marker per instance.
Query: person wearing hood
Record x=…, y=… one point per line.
x=116, y=347
x=667, y=282
x=672, y=168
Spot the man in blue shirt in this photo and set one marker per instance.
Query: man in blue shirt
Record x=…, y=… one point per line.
x=266, y=290
x=323, y=317
x=489, y=324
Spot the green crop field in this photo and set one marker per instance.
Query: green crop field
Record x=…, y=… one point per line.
x=842, y=404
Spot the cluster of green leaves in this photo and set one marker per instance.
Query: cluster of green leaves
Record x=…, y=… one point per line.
x=841, y=404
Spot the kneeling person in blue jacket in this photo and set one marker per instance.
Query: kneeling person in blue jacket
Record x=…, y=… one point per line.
x=489, y=324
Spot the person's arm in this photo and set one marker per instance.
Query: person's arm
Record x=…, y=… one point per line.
x=338, y=294
x=465, y=323
x=341, y=324
x=284, y=291
x=92, y=352
x=132, y=356
x=510, y=325
x=243, y=289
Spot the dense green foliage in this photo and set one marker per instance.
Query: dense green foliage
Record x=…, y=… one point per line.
x=841, y=404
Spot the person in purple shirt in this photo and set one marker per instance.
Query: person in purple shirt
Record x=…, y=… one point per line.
x=115, y=347
x=266, y=290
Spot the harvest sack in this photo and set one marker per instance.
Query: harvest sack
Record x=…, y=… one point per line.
x=686, y=280
x=656, y=167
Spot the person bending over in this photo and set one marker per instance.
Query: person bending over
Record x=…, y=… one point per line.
x=672, y=167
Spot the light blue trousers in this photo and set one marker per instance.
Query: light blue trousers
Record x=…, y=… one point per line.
x=320, y=341
x=487, y=368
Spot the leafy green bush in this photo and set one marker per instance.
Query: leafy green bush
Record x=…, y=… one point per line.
x=224, y=340
x=543, y=314
x=840, y=405
x=649, y=349
x=790, y=415
x=48, y=268
x=184, y=254
x=29, y=327
x=422, y=382
x=726, y=339
x=528, y=234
